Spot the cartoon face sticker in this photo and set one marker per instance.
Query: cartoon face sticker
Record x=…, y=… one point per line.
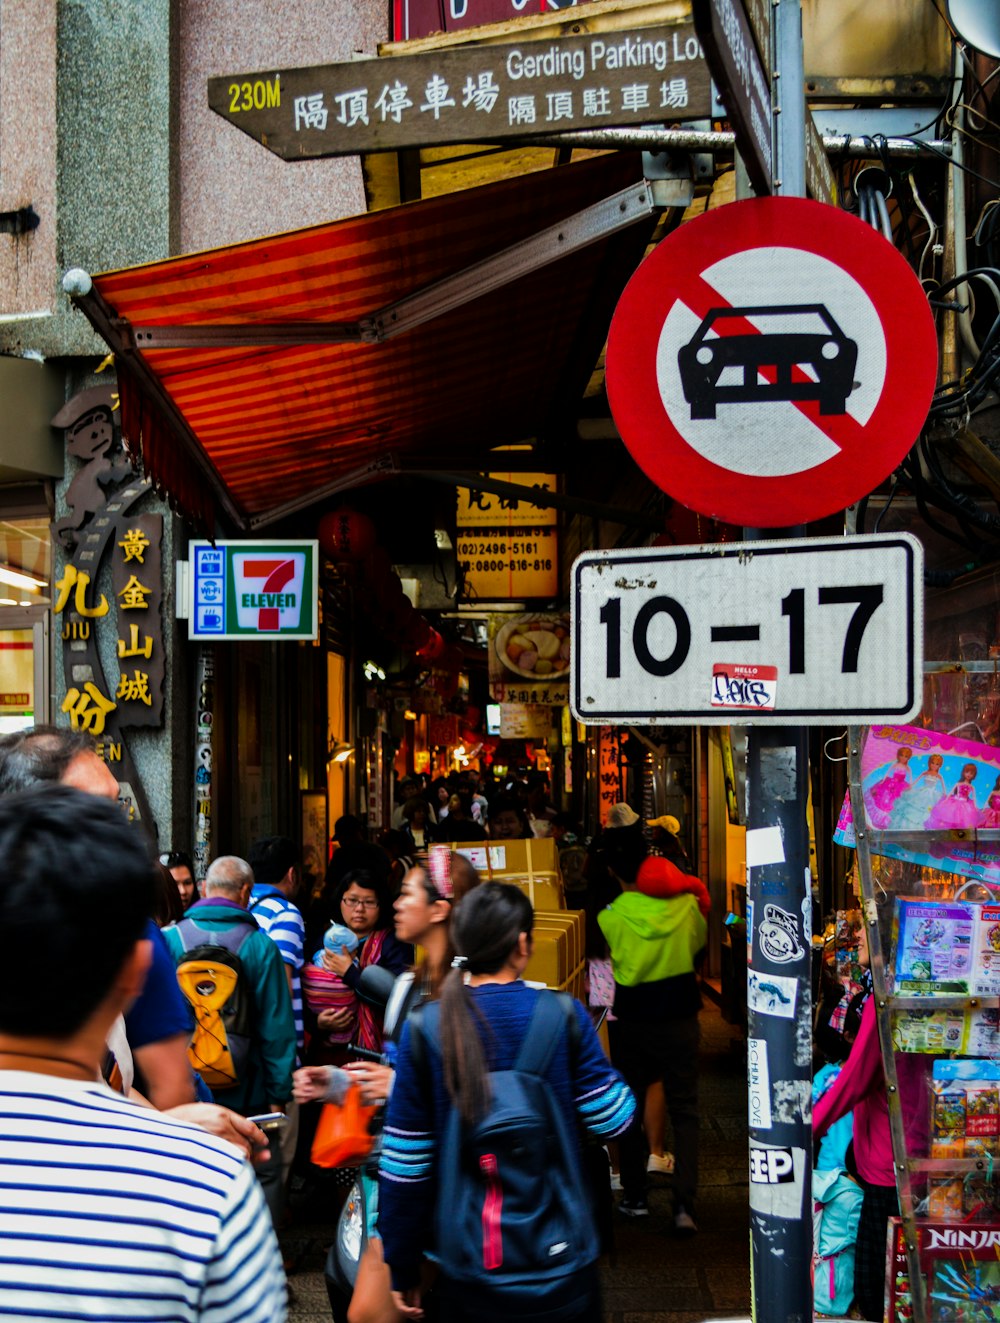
x=778, y=936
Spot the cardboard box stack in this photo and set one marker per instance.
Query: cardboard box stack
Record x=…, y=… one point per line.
x=558, y=958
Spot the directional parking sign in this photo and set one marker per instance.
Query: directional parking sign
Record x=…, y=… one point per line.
x=771, y=362
x=802, y=632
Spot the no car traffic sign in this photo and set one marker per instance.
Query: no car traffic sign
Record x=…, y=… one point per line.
x=806, y=631
x=771, y=362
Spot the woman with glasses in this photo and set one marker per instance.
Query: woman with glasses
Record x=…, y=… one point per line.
x=362, y=903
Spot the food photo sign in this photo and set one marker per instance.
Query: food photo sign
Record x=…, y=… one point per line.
x=529, y=658
x=916, y=780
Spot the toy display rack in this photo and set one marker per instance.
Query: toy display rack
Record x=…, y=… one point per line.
x=908, y=1166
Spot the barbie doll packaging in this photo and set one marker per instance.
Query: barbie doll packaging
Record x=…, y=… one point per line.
x=916, y=780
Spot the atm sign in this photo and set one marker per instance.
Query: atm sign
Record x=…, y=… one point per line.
x=253, y=590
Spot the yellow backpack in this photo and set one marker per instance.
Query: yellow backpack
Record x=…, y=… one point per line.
x=211, y=977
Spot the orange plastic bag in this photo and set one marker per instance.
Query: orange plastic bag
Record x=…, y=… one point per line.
x=342, y=1137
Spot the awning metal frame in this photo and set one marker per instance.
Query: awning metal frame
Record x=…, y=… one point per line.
x=599, y=221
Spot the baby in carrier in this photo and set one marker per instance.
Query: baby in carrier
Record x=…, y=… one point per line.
x=326, y=991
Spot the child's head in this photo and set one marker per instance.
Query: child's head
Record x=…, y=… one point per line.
x=339, y=939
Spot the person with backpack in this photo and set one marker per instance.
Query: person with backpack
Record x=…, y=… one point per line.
x=233, y=976
x=481, y=1160
x=655, y=934
x=422, y=913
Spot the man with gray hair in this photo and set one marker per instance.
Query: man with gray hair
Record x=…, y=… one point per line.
x=254, y=1073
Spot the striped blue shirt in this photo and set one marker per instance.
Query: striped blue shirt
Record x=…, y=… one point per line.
x=282, y=922
x=112, y=1211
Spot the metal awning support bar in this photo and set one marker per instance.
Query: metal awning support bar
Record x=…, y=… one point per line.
x=391, y=467
x=723, y=142
x=604, y=218
x=600, y=221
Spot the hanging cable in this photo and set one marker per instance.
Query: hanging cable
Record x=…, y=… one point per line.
x=932, y=227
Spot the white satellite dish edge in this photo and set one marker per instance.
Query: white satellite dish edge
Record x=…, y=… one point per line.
x=977, y=23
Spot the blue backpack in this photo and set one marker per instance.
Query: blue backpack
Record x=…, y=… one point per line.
x=513, y=1220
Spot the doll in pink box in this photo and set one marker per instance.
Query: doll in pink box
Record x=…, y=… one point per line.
x=881, y=798
x=958, y=809
x=990, y=816
x=912, y=808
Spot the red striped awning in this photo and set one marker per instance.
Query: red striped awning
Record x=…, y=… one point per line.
x=232, y=417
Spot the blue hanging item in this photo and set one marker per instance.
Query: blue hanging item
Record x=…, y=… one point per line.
x=836, y=1212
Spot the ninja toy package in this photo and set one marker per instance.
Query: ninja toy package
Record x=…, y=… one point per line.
x=961, y=1270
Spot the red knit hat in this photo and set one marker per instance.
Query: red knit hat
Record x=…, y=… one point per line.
x=657, y=876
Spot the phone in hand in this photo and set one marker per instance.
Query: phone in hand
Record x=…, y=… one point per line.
x=270, y=1122
x=367, y=1055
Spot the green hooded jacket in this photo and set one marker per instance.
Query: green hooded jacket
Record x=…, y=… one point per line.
x=653, y=947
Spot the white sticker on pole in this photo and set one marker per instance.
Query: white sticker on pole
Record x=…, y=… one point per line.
x=759, y=1084
x=770, y=994
x=764, y=846
x=777, y=1177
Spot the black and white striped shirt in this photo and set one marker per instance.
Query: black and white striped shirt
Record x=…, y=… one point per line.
x=112, y=1211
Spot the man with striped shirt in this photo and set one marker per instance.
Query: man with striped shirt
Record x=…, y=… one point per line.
x=275, y=864
x=108, y=1209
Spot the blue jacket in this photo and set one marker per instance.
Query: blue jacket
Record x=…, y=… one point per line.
x=272, y=1051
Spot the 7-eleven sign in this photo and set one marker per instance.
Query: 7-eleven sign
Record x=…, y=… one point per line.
x=269, y=591
x=253, y=589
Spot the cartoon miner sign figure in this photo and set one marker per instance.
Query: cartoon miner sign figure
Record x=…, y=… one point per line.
x=778, y=936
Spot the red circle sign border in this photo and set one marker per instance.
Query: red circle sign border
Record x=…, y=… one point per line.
x=911, y=362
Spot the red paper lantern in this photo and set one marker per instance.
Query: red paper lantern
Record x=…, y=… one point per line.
x=416, y=631
x=451, y=658
x=398, y=618
x=346, y=534
x=395, y=603
x=433, y=648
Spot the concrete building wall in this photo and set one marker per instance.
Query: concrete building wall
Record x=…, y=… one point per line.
x=231, y=188
x=28, y=154
x=105, y=129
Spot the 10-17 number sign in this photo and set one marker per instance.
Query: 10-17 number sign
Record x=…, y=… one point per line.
x=802, y=632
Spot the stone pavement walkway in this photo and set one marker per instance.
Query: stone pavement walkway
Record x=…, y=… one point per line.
x=651, y=1277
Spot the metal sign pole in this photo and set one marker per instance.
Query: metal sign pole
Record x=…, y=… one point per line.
x=779, y=993
x=779, y=1025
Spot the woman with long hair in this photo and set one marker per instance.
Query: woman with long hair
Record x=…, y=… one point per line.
x=422, y=915
x=485, y=1011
